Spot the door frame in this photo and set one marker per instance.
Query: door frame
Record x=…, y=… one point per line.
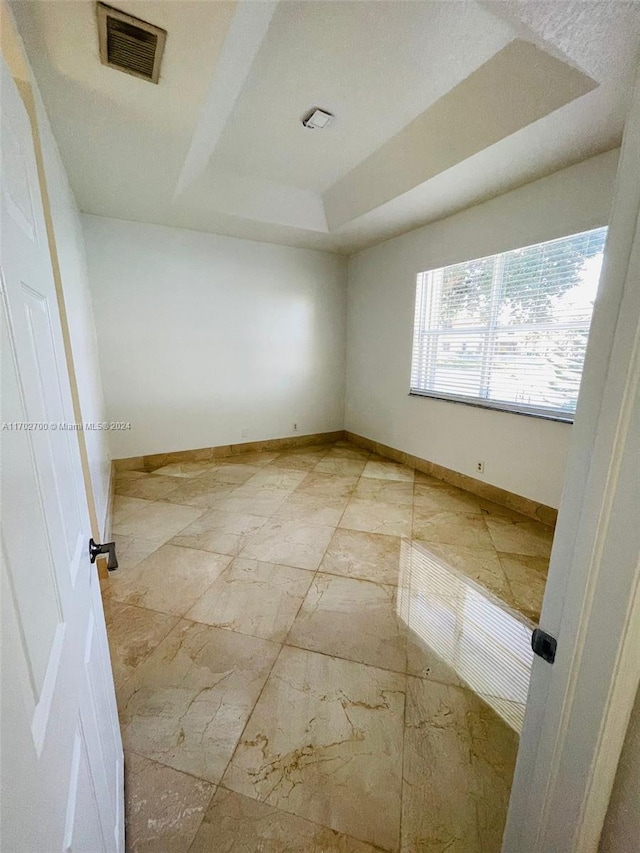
x=579, y=708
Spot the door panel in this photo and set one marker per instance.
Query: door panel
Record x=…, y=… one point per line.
x=82, y=824
x=62, y=764
x=35, y=592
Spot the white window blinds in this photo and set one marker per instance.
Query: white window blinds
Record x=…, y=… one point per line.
x=509, y=331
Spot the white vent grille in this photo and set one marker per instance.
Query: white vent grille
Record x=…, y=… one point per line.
x=129, y=44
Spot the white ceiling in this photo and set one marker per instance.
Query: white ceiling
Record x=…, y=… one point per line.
x=436, y=107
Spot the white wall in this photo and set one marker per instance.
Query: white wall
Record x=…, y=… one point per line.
x=202, y=336
x=77, y=298
x=522, y=454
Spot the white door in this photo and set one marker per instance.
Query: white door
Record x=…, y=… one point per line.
x=62, y=764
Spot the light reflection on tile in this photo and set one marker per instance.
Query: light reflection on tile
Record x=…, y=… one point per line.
x=486, y=645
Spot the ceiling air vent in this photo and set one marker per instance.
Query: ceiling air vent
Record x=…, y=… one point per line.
x=129, y=44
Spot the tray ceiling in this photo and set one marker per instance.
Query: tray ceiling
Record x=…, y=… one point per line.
x=437, y=105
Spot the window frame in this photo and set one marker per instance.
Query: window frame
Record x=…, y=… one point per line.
x=479, y=402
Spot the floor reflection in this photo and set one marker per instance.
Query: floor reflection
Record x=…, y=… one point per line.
x=483, y=642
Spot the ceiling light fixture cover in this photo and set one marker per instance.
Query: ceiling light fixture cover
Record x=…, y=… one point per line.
x=317, y=119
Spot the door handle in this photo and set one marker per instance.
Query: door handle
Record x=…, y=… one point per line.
x=108, y=548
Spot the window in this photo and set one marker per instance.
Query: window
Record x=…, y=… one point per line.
x=509, y=331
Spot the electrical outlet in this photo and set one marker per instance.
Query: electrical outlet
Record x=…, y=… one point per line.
x=245, y=433
x=480, y=467
x=294, y=427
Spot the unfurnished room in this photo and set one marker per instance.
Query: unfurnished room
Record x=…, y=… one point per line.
x=320, y=426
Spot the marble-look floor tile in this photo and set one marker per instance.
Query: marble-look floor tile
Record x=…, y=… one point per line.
x=128, y=475
x=233, y=472
x=388, y=471
x=324, y=742
x=297, y=461
x=527, y=579
x=163, y=808
x=110, y=606
x=171, y=580
x=517, y=534
x=451, y=528
x=340, y=466
x=386, y=491
x=220, y=531
x=132, y=550
x=200, y=492
x=273, y=478
x=186, y=469
x=149, y=487
x=445, y=498
x=290, y=543
x=187, y=704
x=313, y=509
x=153, y=520
x=134, y=633
x=328, y=484
x=370, y=556
x=459, y=758
x=260, y=599
x=318, y=766
x=254, y=500
x=376, y=517
x=124, y=507
x=351, y=619
x=237, y=824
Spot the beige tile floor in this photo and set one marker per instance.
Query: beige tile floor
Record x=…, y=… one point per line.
x=273, y=628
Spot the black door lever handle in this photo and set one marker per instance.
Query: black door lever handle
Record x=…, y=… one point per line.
x=108, y=548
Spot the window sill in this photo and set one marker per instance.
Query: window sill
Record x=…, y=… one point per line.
x=477, y=404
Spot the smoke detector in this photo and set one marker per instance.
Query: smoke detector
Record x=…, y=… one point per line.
x=129, y=44
x=317, y=119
